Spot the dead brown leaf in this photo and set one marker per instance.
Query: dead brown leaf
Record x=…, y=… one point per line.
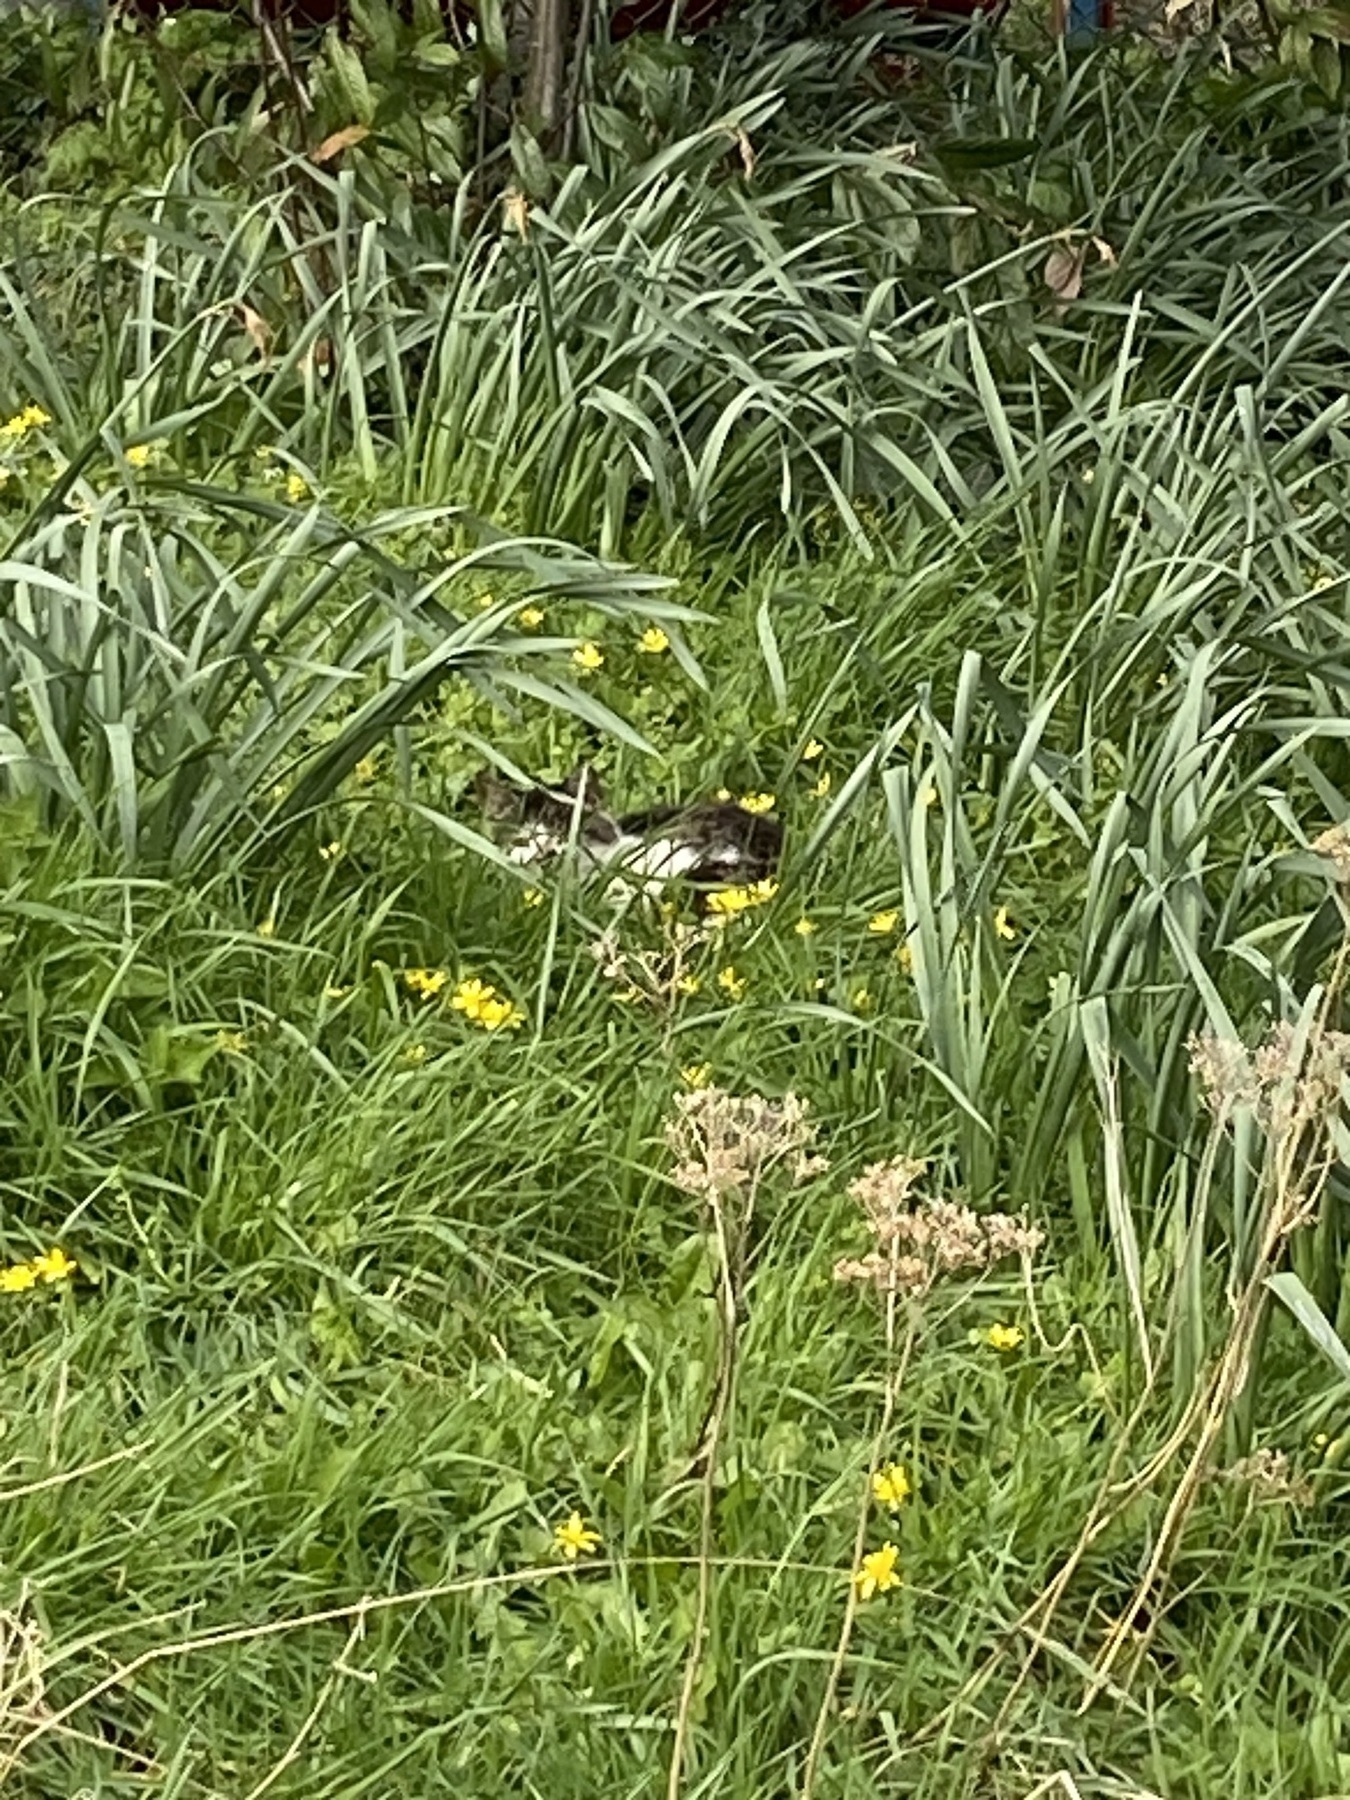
x=338, y=141
x=1064, y=273
x=259, y=331
x=516, y=209
x=747, y=150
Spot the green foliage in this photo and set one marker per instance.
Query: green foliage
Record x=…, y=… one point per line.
x=992, y=494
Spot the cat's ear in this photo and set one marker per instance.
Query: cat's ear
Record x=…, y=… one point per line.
x=584, y=781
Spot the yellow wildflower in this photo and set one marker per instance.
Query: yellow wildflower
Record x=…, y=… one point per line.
x=416, y=1054
x=822, y=787
x=756, y=803
x=469, y=997
x=722, y=794
x=1003, y=926
x=496, y=1014
x=32, y=418
x=862, y=1000
x=1004, y=1337
x=732, y=983
x=804, y=928
x=696, y=1075
x=588, y=656
x=905, y=957
x=890, y=1486
x=139, y=455
x=882, y=924
x=877, y=1574
x=688, y=984
x=367, y=769
x=330, y=852
x=573, y=1538
x=726, y=903
x=653, y=641
x=297, y=488
x=18, y=1279
x=532, y=897
x=812, y=750
x=233, y=1042
x=54, y=1265
x=427, y=983
x=531, y=617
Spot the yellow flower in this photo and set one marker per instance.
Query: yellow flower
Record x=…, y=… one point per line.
x=233, y=1042
x=367, y=769
x=726, y=903
x=877, y=1574
x=688, y=984
x=812, y=750
x=822, y=787
x=653, y=641
x=32, y=418
x=905, y=957
x=756, y=803
x=722, y=794
x=573, y=1538
x=428, y=983
x=732, y=983
x=862, y=1000
x=497, y=1014
x=882, y=924
x=297, y=488
x=267, y=928
x=469, y=997
x=1003, y=926
x=588, y=656
x=139, y=455
x=17, y=1279
x=696, y=1075
x=890, y=1486
x=530, y=617
x=416, y=1054
x=532, y=897
x=804, y=928
x=54, y=1265
x=1004, y=1337
x=330, y=852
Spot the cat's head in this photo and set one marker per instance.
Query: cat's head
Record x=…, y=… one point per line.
x=542, y=817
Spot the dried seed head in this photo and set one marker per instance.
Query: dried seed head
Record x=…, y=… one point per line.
x=1334, y=844
x=916, y=1244
x=725, y=1143
x=1270, y=1479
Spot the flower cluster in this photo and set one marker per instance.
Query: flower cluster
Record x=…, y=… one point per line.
x=32, y=418
x=725, y=1143
x=49, y=1266
x=730, y=902
x=1284, y=1083
x=916, y=1244
x=483, y=1005
x=757, y=804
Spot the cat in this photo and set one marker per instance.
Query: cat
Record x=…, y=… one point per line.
x=709, y=843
